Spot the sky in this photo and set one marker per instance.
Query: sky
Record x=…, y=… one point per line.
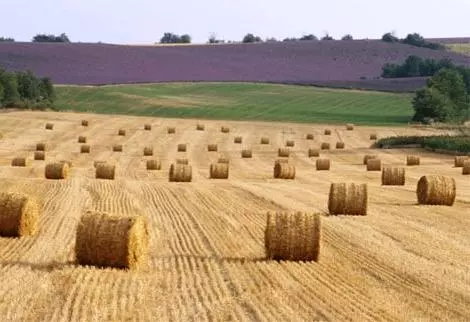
x=145, y=21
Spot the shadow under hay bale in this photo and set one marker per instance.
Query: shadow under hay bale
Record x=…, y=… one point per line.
x=82, y=139
x=309, y=136
x=39, y=155
x=219, y=171
x=292, y=236
x=340, y=145
x=105, y=171
x=122, y=132
x=85, y=149
x=348, y=199
x=323, y=164
x=237, y=139
x=19, y=215
x=154, y=165
x=180, y=173
x=325, y=146
x=283, y=152
x=284, y=170
x=313, y=153
x=212, y=148
x=18, y=162
x=374, y=165
x=181, y=148
x=264, y=140
x=392, y=176
x=56, y=171
x=148, y=151
x=108, y=240
x=290, y=143
x=247, y=154
x=436, y=190
x=41, y=147
x=412, y=160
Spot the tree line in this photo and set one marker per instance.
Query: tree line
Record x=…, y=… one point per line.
x=413, y=39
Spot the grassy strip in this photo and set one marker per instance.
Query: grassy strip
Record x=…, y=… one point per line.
x=460, y=143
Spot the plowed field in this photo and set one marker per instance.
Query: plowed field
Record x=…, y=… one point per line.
x=207, y=259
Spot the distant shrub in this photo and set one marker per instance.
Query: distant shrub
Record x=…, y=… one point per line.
x=347, y=37
x=327, y=37
x=389, y=37
x=171, y=38
x=51, y=38
x=460, y=143
x=414, y=39
x=3, y=39
x=249, y=38
x=308, y=37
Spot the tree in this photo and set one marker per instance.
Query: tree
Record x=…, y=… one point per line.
x=327, y=37
x=51, y=38
x=1, y=94
x=414, y=40
x=9, y=83
x=213, y=39
x=430, y=103
x=249, y=38
x=6, y=39
x=185, y=39
x=390, y=37
x=308, y=37
x=46, y=89
x=347, y=37
x=28, y=85
x=171, y=38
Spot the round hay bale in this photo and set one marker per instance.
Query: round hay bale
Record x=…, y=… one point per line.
x=225, y=129
x=19, y=215
x=290, y=143
x=105, y=171
x=309, y=136
x=148, y=151
x=313, y=153
x=41, y=147
x=374, y=165
x=393, y=176
x=325, y=146
x=154, y=165
x=49, y=126
x=247, y=153
x=122, y=132
x=412, y=160
x=39, y=155
x=212, y=147
x=367, y=157
x=348, y=199
x=323, y=164
x=147, y=127
x=349, y=127
x=283, y=152
x=82, y=139
x=200, y=127
x=182, y=161
x=459, y=160
x=18, y=162
x=98, y=162
x=219, y=171
x=171, y=130
x=117, y=148
x=264, y=140
x=85, y=148
x=57, y=171
x=292, y=236
x=237, y=139
x=180, y=173
x=84, y=123
x=182, y=147
x=436, y=190
x=373, y=136
x=340, y=145
x=284, y=170
x=466, y=167
x=327, y=132
x=108, y=240
x=223, y=160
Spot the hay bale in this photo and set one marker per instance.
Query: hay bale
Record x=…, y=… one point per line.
x=392, y=176
x=340, y=145
x=171, y=130
x=237, y=139
x=180, y=173
x=290, y=143
x=348, y=199
x=374, y=165
x=105, y=171
x=212, y=147
x=323, y=164
x=98, y=162
x=200, y=127
x=373, y=136
x=247, y=153
x=122, y=132
x=148, y=151
x=284, y=170
x=327, y=132
x=223, y=160
x=147, y=127
x=18, y=162
x=39, y=155
x=219, y=171
x=19, y=215
x=108, y=240
x=154, y=164
x=224, y=129
x=264, y=140
x=117, y=148
x=412, y=160
x=182, y=147
x=325, y=146
x=313, y=153
x=292, y=236
x=182, y=161
x=82, y=139
x=283, y=152
x=85, y=148
x=57, y=171
x=49, y=126
x=84, y=123
x=459, y=160
x=466, y=167
x=309, y=136
x=367, y=157
x=349, y=127
x=436, y=190
x=41, y=147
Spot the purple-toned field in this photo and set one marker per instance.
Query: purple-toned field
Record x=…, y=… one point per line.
x=354, y=64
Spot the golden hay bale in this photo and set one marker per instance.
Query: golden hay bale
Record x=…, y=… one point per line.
x=348, y=199
x=41, y=147
x=19, y=215
x=148, y=151
x=85, y=148
x=436, y=190
x=313, y=153
x=459, y=160
x=223, y=160
x=182, y=161
x=373, y=136
x=292, y=236
x=284, y=170
x=122, y=132
x=49, y=126
x=264, y=140
x=367, y=157
x=374, y=165
x=171, y=130
x=82, y=139
x=323, y=164
x=200, y=127
x=147, y=127
x=56, y=170
x=290, y=143
x=340, y=145
x=466, y=167
x=237, y=139
x=98, y=162
x=283, y=152
x=349, y=127
x=393, y=176
x=224, y=129
x=84, y=123
x=154, y=165
x=105, y=171
x=212, y=148
x=219, y=171
x=309, y=136
x=412, y=160
x=117, y=148
x=180, y=173
x=182, y=147
x=39, y=155
x=18, y=162
x=108, y=240
x=327, y=132
x=325, y=146
x=247, y=153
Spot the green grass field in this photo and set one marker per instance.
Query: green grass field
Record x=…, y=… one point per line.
x=240, y=101
x=460, y=48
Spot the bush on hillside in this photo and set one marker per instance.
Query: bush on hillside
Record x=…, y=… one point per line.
x=414, y=39
x=249, y=38
x=51, y=38
x=415, y=66
x=347, y=37
x=171, y=38
x=6, y=39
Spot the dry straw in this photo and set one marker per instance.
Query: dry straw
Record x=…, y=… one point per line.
x=98, y=162
x=325, y=146
x=348, y=199
x=41, y=147
x=237, y=139
x=212, y=147
x=373, y=136
x=340, y=145
x=264, y=140
x=57, y=170
x=200, y=127
x=223, y=160
x=49, y=126
x=171, y=130
x=374, y=165
x=182, y=161
x=247, y=153
x=180, y=173
x=18, y=162
x=19, y=215
x=85, y=148
x=459, y=160
x=82, y=139
x=39, y=155
x=283, y=152
x=323, y=164
x=224, y=129
x=67, y=162
x=436, y=190
x=412, y=160
x=309, y=136
x=154, y=165
x=182, y=147
x=148, y=151
x=108, y=240
x=313, y=153
x=466, y=167
x=105, y=171
x=284, y=170
x=292, y=236
x=219, y=170
x=122, y=132
x=327, y=132
x=84, y=123
x=367, y=157
x=281, y=161
x=290, y=143
x=117, y=148
x=147, y=127
x=393, y=176
x=349, y=127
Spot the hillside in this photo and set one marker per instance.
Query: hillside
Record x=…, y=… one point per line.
x=330, y=63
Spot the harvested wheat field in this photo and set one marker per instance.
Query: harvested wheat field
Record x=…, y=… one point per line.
x=206, y=258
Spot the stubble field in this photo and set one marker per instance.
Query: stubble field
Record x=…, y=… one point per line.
x=207, y=258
